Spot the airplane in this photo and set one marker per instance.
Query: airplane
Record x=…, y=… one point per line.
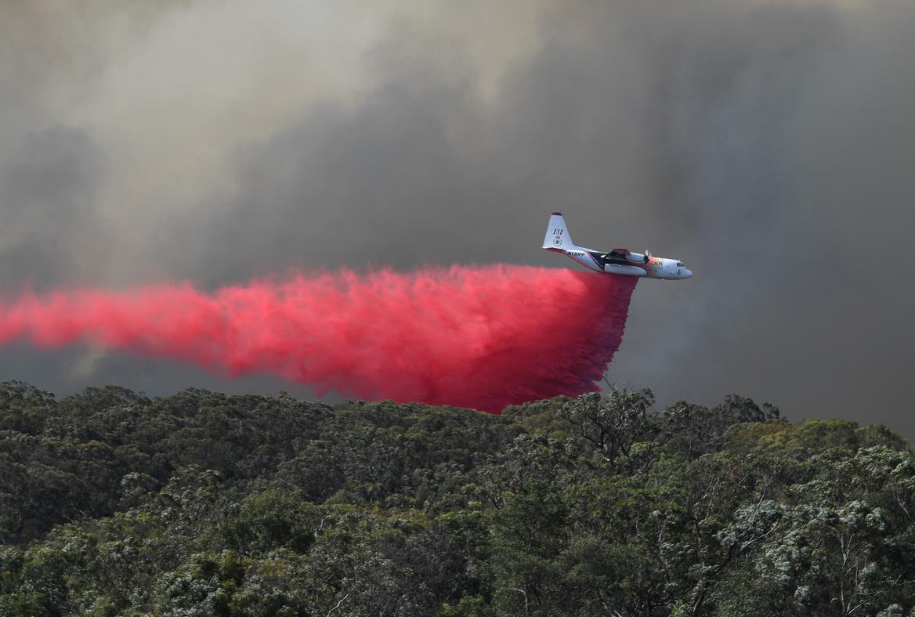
x=617, y=261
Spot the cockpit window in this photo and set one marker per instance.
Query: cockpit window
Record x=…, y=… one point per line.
x=680, y=264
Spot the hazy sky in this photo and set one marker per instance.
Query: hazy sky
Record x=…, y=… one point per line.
x=770, y=145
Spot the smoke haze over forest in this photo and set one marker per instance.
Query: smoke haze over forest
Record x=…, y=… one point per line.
x=768, y=144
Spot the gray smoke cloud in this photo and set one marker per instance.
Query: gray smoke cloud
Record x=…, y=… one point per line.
x=768, y=144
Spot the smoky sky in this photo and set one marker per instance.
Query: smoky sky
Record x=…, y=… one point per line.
x=769, y=145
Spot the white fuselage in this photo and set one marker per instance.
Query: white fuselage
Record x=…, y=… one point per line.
x=653, y=268
x=617, y=261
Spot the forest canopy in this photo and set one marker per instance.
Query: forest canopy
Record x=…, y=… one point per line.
x=197, y=504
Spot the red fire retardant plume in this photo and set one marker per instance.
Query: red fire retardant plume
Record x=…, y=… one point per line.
x=480, y=337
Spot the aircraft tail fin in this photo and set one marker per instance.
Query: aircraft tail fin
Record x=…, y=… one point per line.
x=557, y=234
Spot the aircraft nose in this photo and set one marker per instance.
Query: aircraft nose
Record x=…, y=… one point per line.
x=687, y=273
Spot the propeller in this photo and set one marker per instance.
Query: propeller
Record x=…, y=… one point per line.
x=647, y=255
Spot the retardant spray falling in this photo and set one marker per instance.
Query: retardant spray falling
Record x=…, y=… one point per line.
x=480, y=337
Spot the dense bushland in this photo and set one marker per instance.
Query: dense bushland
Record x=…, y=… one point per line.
x=113, y=503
